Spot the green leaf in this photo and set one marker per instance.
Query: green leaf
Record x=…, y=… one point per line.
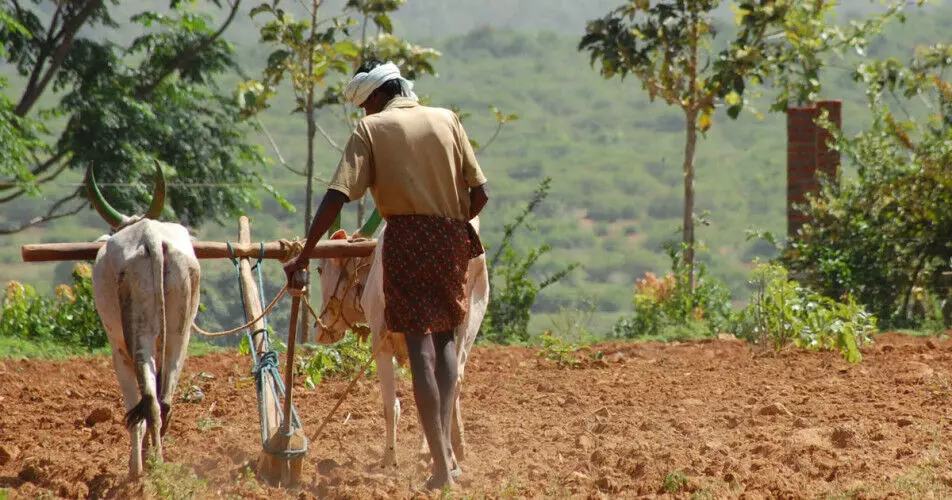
x=259, y=9
x=347, y=48
x=733, y=99
x=278, y=58
x=383, y=21
x=734, y=111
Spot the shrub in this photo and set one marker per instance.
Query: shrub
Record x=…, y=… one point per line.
x=558, y=351
x=665, y=307
x=510, y=304
x=783, y=313
x=69, y=317
x=344, y=358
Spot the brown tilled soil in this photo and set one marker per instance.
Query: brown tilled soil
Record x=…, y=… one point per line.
x=709, y=419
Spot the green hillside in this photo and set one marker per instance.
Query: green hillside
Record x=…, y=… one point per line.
x=615, y=158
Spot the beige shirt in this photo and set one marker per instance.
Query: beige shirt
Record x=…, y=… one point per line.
x=414, y=159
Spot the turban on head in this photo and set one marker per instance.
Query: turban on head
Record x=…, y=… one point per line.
x=364, y=84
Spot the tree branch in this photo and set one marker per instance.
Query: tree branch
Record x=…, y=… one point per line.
x=10, y=184
x=274, y=146
x=187, y=56
x=68, y=34
x=329, y=139
x=39, y=182
x=52, y=214
x=492, y=139
x=45, y=50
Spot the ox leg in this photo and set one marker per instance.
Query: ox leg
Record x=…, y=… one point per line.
x=182, y=299
x=147, y=409
x=463, y=346
x=456, y=438
x=391, y=406
x=130, y=395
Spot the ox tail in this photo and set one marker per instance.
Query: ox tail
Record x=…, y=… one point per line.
x=141, y=411
x=158, y=252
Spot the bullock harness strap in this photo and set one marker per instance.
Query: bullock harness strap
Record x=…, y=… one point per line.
x=350, y=281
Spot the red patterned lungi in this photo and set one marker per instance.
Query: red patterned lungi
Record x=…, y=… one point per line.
x=425, y=259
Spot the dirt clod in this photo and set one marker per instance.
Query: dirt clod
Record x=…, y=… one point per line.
x=843, y=436
x=8, y=453
x=585, y=442
x=99, y=415
x=775, y=409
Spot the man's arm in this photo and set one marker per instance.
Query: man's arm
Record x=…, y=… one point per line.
x=477, y=200
x=327, y=212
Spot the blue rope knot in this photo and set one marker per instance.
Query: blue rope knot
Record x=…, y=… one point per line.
x=267, y=361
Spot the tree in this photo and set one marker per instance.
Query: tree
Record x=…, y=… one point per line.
x=790, y=44
x=883, y=235
x=667, y=46
x=91, y=101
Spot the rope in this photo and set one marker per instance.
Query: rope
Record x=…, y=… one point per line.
x=291, y=249
x=247, y=324
x=350, y=386
x=269, y=361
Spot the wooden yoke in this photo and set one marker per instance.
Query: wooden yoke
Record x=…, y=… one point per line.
x=48, y=252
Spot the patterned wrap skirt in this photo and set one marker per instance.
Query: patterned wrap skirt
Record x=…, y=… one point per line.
x=425, y=259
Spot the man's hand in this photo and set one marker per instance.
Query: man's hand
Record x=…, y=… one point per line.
x=326, y=213
x=292, y=266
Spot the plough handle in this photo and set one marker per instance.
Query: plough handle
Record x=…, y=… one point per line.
x=297, y=288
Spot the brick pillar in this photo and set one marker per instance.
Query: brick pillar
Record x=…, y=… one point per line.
x=827, y=159
x=808, y=153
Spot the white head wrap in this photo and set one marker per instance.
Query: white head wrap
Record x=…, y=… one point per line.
x=364, y=84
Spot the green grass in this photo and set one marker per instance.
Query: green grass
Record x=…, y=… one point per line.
x=16, y=349
x=172, y=481
x=923, y=333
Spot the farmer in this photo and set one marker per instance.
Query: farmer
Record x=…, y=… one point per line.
x=422, y=173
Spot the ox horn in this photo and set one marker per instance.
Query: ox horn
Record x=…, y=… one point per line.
x=158, y=199
x=111, y=215
x=371, y=225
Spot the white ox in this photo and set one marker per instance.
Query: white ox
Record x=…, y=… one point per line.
x=146, y=286
x=351, y=287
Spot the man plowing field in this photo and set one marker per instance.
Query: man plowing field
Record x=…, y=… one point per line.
x=422, y=173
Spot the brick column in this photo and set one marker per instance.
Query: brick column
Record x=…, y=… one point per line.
x=808, y=153
x=827, y=159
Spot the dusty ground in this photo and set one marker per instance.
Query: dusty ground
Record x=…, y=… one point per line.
x=708, y=419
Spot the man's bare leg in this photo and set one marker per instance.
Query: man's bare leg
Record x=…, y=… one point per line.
x=426, y=393
x=446, y=375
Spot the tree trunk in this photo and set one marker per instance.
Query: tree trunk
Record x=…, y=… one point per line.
x=361, y=210
x=690, y=115
x=688, y=228
x=309, y=168
x=309, y=202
